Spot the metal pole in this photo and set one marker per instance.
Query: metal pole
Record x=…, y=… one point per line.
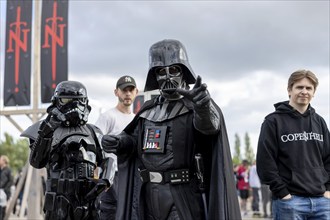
x=34, y=209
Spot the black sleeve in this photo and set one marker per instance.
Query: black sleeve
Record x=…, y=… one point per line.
x=326, y=152
x=266, y=160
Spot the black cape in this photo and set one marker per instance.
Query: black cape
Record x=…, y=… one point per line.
x=221, y=193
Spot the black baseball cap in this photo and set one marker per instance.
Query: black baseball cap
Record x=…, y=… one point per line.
x=125, y=81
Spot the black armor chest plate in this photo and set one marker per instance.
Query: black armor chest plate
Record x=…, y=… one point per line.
x=73, y=156
x=157, y=150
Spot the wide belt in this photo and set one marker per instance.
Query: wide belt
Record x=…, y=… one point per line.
x=172, y=176
x=69, y=186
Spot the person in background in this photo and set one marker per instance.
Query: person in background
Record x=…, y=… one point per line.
x=266, y=196
x=6, y=181
x=243, y=185
x=254, y=183
x=293, y=155
x=113, y=122
x=174, y=158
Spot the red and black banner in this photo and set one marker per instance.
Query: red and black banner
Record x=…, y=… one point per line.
x=138, y=102
x=17, y=85
x=54, y=46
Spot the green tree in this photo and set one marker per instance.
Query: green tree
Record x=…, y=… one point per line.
x=237, y=151
x=249, y=154
x=16, y=150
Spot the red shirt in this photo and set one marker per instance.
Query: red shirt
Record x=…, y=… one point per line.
x=243, y=178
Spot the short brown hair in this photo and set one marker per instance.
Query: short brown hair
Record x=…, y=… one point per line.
x=301, y=74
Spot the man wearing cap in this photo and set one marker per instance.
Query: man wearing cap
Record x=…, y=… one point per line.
x=113, y=121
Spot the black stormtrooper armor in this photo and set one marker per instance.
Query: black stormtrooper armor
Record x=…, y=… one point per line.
x=70, y=150
x=165, y=137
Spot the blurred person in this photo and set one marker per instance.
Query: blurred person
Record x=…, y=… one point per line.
x=293, y=154
x=266, y=196
x=255, y=185
x=113, y=122
x=174, y=145
x=243, y=185
x=6, y=181
x=70, y=150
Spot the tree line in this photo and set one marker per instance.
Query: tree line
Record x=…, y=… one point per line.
x=248, y=152
x=16, y=150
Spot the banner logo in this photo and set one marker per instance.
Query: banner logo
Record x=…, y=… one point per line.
x=54, y=30
x=17, y=31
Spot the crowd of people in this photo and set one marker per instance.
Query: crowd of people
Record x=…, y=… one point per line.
x=172, y=160
x=252, y=192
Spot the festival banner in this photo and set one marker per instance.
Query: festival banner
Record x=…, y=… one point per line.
x=17, y=75
x=138, y=102
x=54, y=46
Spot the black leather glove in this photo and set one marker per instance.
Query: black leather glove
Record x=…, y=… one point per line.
x=198, y=95
x=110, y=143
x=207, y=118
x=49, y=125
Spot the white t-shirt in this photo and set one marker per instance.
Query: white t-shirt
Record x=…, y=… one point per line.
x=113, y=122
x=254, y=180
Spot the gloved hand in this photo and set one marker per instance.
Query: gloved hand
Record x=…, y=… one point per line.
x=49, y=125
x=110, y=143
x=198, y=95
x=57, y=115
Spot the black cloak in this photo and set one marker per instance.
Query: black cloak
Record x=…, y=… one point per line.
x=221, y=193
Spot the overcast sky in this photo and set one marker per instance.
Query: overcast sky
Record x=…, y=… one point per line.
x=243, y=50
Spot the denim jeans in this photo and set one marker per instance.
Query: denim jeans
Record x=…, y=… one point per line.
x=302, y=208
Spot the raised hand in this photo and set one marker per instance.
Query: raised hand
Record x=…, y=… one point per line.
x=57, y=115
x=198, y=95
x=49, y=125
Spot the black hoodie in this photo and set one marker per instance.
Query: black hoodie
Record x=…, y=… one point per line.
x=294, y=152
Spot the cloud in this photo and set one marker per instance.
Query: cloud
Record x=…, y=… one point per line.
x=218, y=35
x=244, y=50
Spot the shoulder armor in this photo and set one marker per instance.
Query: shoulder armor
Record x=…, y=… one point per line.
x=32, y=131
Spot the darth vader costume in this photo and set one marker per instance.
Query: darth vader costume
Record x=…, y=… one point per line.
x=174, y=159
x=70, y=150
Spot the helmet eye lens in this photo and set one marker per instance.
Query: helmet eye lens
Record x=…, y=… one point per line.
x=173, y=70
x=64, y=101
x=161, y=71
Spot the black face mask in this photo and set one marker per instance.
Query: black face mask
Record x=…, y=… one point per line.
x=169, y=79
x=75, y=111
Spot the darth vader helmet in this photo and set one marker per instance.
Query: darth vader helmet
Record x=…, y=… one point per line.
x=168, y=68
x=70, y=98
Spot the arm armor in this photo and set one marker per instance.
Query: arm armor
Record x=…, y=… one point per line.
x=41, y=147
x=207, y=118
x=39, y=154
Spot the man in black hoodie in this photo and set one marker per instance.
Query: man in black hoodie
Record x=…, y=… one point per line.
x=293, y=154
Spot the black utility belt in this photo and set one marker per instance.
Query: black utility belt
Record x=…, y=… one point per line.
x=171, y=176
x=69, y=186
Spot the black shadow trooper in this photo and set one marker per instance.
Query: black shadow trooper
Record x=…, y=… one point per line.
x=70, y=150
x=174, y=159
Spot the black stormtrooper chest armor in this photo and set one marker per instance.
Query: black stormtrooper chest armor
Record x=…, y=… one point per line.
x=73, y=153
